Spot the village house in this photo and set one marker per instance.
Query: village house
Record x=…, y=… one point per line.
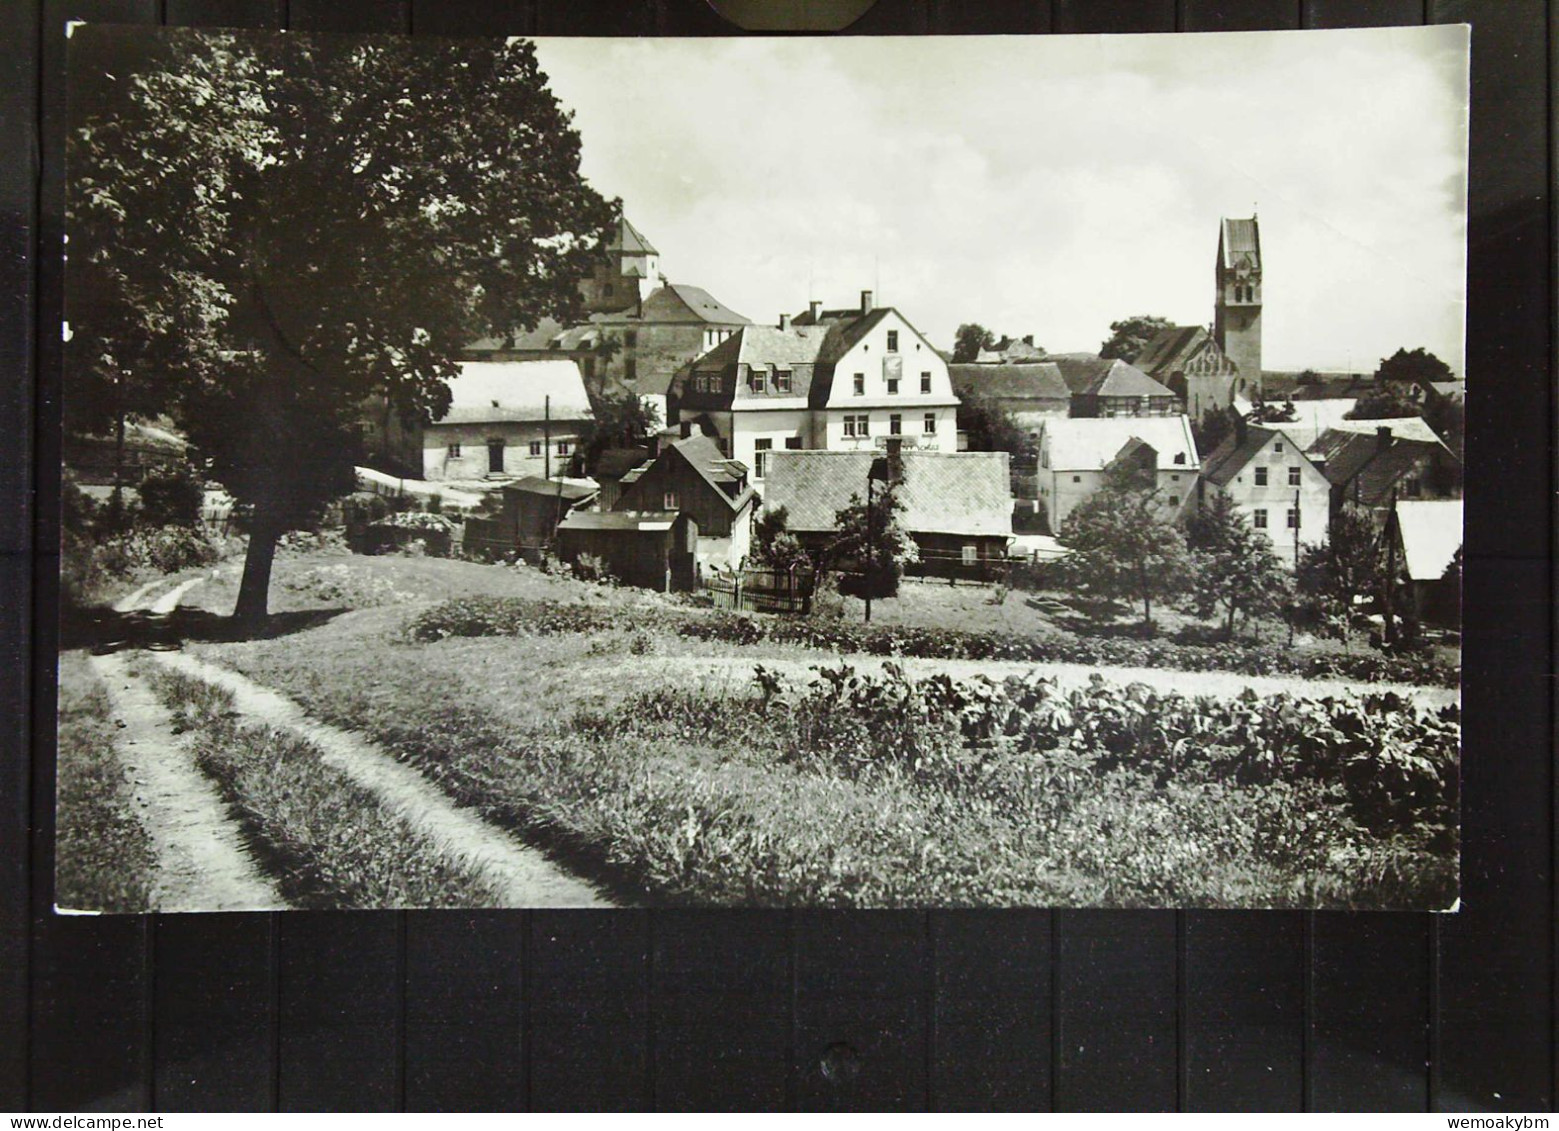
x=528, y=513
x=957, y=505
x=1076, y=457
x=1428, y=534
x=691, y=476
x=1029, y=392
x=1372, y=470
x=829, y=379
x=647, y=549
x=511, y=418
x=1107, y=386
x=1281, y=493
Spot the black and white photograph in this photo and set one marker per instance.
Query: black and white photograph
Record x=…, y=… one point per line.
x=980, y=471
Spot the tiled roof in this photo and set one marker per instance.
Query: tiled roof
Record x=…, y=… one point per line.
x=1079, y=370
x=1431, y=535
x=674, y=302
x=618, y=520
x=1122, y=379
x=1009, y=381
x=1368, y=464
x=630, y=240
x=1188, y=349
x=1239, y=237
x=541, y=338
x=1089, y=444
x=570, y=490
x=489, y=391
x=967, y=493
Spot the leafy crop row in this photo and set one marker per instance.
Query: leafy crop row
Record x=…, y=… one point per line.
x=507, y=616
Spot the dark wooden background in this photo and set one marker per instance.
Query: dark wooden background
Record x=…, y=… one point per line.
x=631, y=1009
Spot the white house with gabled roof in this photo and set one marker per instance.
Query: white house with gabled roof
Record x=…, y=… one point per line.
x=838, y=380
x=1078, y=454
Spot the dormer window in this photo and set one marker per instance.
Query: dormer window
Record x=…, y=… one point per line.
x=782, y=380
x=756, y=379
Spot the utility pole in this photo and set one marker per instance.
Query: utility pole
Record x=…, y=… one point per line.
x=870, y=530
x=546, y=437
x=1293, y=607
x=1391, y=569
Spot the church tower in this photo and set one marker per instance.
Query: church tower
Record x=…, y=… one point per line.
x=629, y=271
x=1237, y=313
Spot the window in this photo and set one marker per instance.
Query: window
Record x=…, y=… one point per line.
x=630, y=369
x=1180, y=458
x=782, y=380
x=756, y=379
x=1174, y=500
x=1278, y=447
x=1261, y=477
x=1258, y=519
x=535, y=447
x=564, y=447
x=860, y=384
x=1410, y=487
x=893, y=341
x=1293, y=518
x=1293, y=477
x=928, y=424
x=454, y=451
x=792, y=443
x=761, y=449
x=670, y=502
x=925, y=382
x=1174, y=479
x=1077, y=479
x=895, y=425
x=971, y=553
x=893, y=386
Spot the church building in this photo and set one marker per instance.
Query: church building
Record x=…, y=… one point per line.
x=1237, y=312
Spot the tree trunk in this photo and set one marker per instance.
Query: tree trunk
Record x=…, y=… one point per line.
x=1231, y=622
x=255, y=588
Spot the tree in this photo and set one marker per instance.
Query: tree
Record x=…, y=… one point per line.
x=1343, y=570
x=620, y=421
x=1417, y=367
x=891, y=547
x=1382, y=404
x=1122, y=548
x=1213, y=428
x=270, y=230
x=1273, y=412
x=1129, y=336
x=1236, y=573
x=773, y=543
x=969, y=340
x=991, y=428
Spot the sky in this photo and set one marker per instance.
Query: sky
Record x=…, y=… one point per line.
x=1048, y=185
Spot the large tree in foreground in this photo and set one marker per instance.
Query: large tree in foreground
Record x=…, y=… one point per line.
x=268, y=230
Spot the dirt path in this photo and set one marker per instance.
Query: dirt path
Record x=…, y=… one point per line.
x=736, y=671
x=202, y=863
x=527, y=878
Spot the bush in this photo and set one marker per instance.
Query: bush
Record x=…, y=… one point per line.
x=90, y=566
x=590, y=567
x=172, y=496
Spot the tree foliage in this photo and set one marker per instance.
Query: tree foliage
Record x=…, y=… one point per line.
x=1236, y=573
x=773, y=543
x=1382, y=404
x=1124, y=548
x=874, y=545
x=621, y=420
x=1211, y=429
x=969, y=340
x=268, y=230
x=1412, y=367
x=991, y=428
x=1129, y=336
x=1341, y=572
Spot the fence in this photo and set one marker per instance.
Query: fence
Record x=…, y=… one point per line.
x=760, y=590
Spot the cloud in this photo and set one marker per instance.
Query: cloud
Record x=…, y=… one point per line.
x=1048, y=185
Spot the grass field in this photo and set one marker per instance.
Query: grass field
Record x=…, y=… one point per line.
x=647, y=760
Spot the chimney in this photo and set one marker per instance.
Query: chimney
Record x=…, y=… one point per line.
x=1382, y=438
x=1028, y=339
x=815, y=309
x=687, y=428
x=784, y=322
x=866, y=302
